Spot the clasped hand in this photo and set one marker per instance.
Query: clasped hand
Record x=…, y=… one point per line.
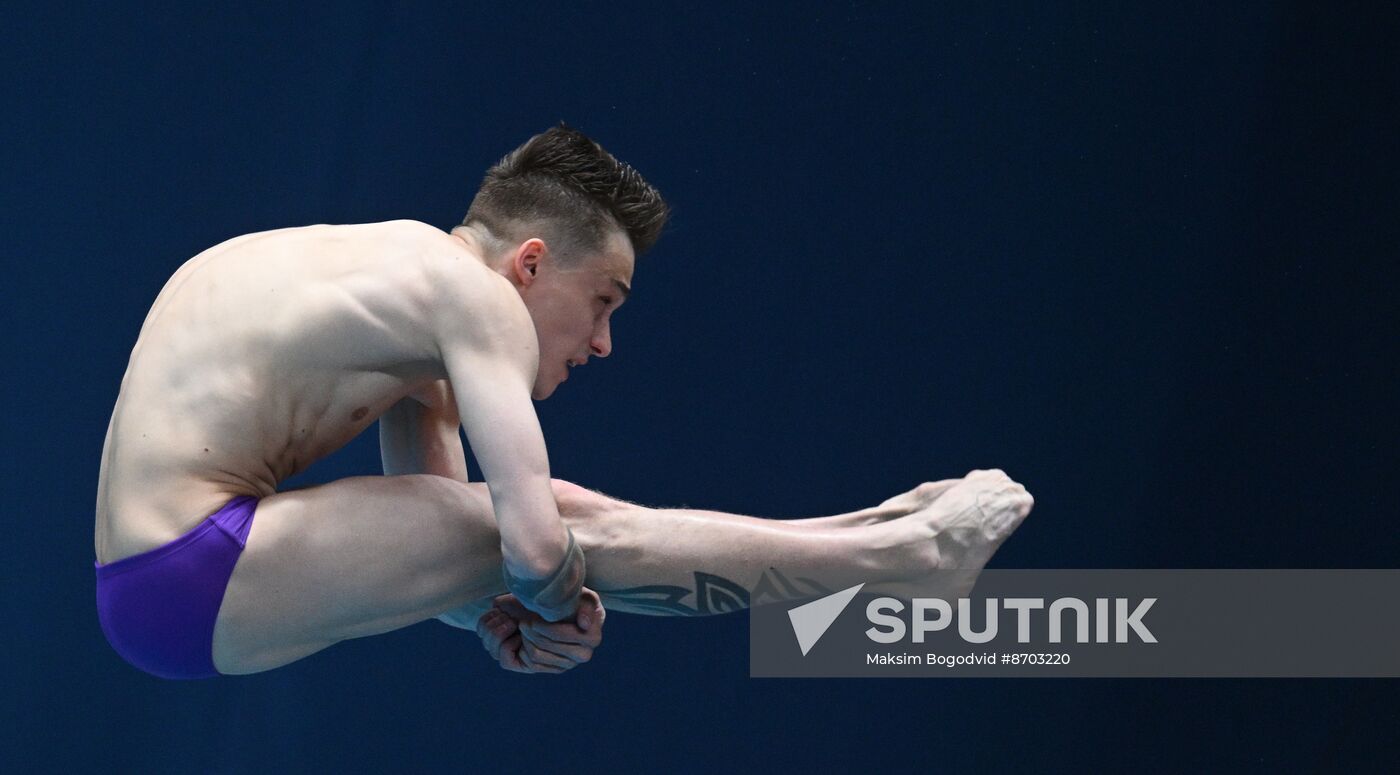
x=524, y=642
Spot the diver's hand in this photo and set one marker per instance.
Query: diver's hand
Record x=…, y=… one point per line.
x=524, y=642
x=500, y=636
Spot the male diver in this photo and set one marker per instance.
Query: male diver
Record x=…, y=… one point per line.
x=269, y=351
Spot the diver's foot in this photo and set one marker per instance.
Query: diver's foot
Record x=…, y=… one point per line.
x=940, y=549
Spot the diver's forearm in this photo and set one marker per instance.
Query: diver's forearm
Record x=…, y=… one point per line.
x=413, y=439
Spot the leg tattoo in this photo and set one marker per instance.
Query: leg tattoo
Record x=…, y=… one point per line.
x=713, y=595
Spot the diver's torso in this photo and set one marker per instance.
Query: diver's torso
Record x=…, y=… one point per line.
x=260, y=356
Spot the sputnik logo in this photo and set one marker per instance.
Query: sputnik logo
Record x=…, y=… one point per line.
x=811, y=620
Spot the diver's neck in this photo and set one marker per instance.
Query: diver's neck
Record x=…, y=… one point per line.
x=474, y=244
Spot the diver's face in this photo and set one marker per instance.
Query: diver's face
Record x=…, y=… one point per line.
x=572, y=309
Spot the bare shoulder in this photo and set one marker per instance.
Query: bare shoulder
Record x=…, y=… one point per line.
x=411, y=239
x=414, y=232
x=462, y=287
x=472, y=306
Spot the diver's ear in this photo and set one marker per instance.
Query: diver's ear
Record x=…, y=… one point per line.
x=527, y=259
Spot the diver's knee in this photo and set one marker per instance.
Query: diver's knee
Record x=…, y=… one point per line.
x=556, y=596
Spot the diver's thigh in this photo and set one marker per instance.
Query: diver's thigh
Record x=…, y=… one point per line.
x=355, y=557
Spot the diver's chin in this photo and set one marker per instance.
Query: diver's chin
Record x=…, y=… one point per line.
x=542, y=392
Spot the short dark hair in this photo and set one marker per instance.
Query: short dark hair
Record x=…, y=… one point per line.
x=565, y=181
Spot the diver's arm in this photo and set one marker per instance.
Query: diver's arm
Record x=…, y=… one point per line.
x=491, y=356
x=421, y=435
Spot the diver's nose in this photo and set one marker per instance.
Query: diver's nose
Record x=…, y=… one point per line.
x=602, y=343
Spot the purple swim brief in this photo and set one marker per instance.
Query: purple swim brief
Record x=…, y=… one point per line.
x=158, y=608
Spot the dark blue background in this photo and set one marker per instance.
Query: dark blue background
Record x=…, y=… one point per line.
x=1134, y=257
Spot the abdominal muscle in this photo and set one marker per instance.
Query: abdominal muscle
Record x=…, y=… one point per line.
x=260, y=356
